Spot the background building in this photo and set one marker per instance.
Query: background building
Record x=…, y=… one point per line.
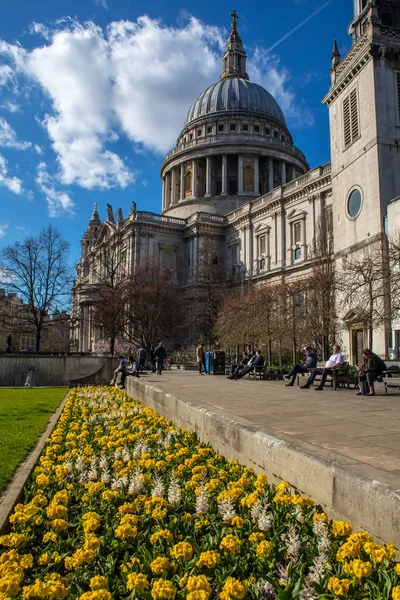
x=236, y=178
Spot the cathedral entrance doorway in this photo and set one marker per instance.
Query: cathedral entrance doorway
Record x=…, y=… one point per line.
x=357, y=346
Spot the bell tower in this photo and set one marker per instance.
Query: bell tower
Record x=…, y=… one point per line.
x=364, y=116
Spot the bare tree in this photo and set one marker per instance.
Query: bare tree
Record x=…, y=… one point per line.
x=210, y=286
x=152, y=306
x=37, y=270
x=363, y=289
x=107, y=289
x=321, y=299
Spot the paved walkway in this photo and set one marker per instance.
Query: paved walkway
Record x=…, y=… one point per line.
x=361, y=433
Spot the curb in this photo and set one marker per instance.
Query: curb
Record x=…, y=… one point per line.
x=15, y=489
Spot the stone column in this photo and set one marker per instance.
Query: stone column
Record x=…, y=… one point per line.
x=163, y=193
x=304, y=240
x=240, y=175
x=224, y=190
x=167, y=190
x=283, y=170
x=173, y=187
x=256, y=176
x=270, y=174
x=182, y=181
x=194, y=179
x=293, y=172
x=208, y=177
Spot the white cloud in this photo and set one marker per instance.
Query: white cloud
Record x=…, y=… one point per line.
x=12, y=183
x=58, y=202
x=38, y=149
x=134, y=79
x=3, y=230
x=8, y=137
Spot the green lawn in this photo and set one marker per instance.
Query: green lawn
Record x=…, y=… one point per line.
x=24, y=415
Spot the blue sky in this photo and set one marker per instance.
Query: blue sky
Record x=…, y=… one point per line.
x=93, y=93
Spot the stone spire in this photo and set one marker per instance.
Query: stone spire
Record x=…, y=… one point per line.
x=95, y=214
x=234, y=57
x=335, y=58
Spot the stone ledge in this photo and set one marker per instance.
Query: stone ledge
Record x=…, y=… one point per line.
x=366, y=503
x=14, y=491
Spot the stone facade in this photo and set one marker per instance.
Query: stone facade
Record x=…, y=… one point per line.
x=236, y=175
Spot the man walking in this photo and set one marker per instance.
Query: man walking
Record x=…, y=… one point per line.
x=142, y=358
x=335, y=361
x=201, y=358
x=161, y=354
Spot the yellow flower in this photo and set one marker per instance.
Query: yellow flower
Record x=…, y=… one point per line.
x=378, y=553
x=163, y=589
x=361, y=569
x=397, y=568
x=209, y=559
x=160, y=566
x=348, y=550
x=182, y=551
x=340, y=528
x=126, y=508
x=264, y=549
x=126, y=532
x=49, y=537
x=256, y=537
x=10, y=584
x=44, y=559
x=137, y=582
x=238, y=522
x=396, y=593
x=340, y=587
x=233, y=588
x=261, y=482
x=163, y=533
x=57, y=511
x=99, y=583
x=320, y=518
x=199, y=582
x=59, y=524
x=42, y=480
x=197, y=595
x=230, y=543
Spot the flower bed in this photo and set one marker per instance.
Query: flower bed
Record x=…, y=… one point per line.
x=122, y=504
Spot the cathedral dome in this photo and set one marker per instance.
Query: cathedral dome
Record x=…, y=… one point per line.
x=233, y=96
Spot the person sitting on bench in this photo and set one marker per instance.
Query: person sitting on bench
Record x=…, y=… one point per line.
x=255, y=361
x=335, y=361
x=371, y=369
x=235, y=369
x=309, y=363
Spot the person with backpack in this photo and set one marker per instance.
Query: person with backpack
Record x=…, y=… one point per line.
x=371, y=370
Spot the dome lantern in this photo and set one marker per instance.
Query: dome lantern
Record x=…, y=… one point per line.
x=234, y=58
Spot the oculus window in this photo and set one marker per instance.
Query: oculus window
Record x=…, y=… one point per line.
x=354, y=203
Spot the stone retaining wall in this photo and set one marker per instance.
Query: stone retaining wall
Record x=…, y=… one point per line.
x=367, y=504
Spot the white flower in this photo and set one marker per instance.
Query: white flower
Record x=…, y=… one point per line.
x=92, y=475
x=126, y=455
x=292, y=544
x=80, y=464
x=158, y=489
x=105, y=477
x=255, y=511
x=103, y=463
x=264, y=520
x=69, y=466
x=226, y=510
x=174, y=491
x=202, y=503
x=136, y=483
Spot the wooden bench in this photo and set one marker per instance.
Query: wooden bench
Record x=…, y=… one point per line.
x=339, y=377
x=257, y=370
x=388, y=380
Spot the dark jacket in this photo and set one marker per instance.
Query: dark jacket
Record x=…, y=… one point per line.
x=374, y=363
x=259, y=361
x=160, y=353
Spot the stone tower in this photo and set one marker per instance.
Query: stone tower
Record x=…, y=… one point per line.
x=364, y=113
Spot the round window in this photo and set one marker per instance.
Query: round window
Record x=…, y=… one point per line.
x=354, y=203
